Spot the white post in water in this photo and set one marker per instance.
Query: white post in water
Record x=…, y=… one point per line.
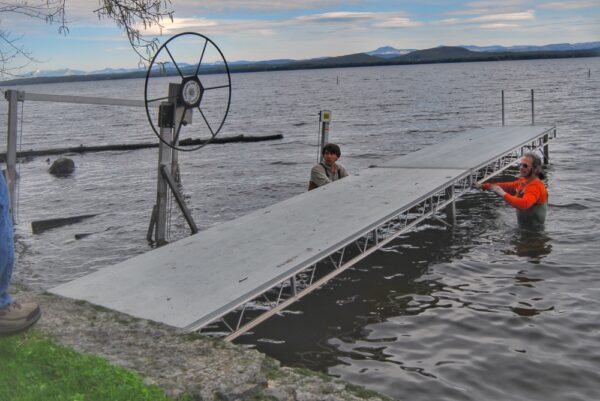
x=167, y=113
x=324, y=120
x=167, y=116
x=503, y=107
x=532, y=109
x=11, y=147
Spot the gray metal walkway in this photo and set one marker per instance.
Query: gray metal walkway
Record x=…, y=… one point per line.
x=241, y=272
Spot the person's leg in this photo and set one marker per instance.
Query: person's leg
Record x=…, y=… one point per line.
x=14, y=317
x=7, y=253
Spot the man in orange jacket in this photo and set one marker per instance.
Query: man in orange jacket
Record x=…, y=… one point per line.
x=528, y=194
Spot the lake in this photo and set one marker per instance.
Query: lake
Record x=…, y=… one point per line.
x=485, y=311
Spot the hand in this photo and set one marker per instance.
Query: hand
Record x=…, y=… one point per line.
x=499, y=191
x=477, y=185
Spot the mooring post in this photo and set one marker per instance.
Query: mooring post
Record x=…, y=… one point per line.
x=532, y=109
x=179, y=116
x=324, y=120
x=159, y=218
x=11, y=147
x=503, y=107
x=451, y=207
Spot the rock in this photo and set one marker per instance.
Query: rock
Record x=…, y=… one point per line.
x=277, y=394
x=246, y=391
x=62, y=167
x=198, y=367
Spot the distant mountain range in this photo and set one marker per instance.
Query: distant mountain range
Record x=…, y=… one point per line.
x=386, y=55
x=389, y=52
x=556, y=47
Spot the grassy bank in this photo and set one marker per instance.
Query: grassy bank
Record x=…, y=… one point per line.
x=34, y=368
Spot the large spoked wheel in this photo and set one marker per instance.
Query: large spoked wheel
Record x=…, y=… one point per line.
x=205, y=89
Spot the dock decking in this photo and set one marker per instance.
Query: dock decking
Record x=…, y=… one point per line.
x=273, y=253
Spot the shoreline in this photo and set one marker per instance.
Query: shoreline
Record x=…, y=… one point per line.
x=349, y=61
x=181, y=364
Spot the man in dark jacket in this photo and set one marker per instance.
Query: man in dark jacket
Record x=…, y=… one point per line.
x=328, y=170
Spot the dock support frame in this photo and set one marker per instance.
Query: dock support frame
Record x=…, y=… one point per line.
x=243, y=317
x=13, y=97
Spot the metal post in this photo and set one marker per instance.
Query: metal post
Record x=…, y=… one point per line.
x=503, y=107
x=532, y=109
x=179, y=198
x=164, y=159
x=546, y=148
x=294, y=285
x=158, y=220
x=11, y=147
x=451, y=207
x=324, y=119
x=179, y=115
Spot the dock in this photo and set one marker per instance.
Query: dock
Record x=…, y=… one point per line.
x=235, y=275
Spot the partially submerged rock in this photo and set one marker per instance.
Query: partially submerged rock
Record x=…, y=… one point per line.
x=62, y=167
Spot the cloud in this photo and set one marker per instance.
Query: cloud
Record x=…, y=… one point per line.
x=571, y=5
x=257, y=5
x=181, y=24
x=519, y=16
x=361, y=20
x=397, y=22
x=495, y=3
x=489, y=7
x=493, y=19
x=450, y=21
x=333, y=17
x=310, y=23
x=498, y=26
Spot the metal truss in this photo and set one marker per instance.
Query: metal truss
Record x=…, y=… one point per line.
x=289, y=290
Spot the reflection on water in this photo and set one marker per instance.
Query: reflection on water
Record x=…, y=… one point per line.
x=532, y=243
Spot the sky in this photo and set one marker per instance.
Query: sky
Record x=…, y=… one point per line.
x=301, y=29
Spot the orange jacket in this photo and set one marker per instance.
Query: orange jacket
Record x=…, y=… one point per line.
x=521, y=195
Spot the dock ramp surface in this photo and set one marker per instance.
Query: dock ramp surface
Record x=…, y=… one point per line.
x=203, y=278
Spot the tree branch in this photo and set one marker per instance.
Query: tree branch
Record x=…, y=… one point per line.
x=132, y=15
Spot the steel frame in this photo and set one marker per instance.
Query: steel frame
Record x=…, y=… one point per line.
x=256, y=310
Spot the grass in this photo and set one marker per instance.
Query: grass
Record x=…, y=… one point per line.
x=34, y=368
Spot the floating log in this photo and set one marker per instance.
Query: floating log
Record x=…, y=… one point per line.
x=134, y=146
x=237, y=138
x=43, y=225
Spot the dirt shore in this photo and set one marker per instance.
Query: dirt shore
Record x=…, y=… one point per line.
x=206, y=368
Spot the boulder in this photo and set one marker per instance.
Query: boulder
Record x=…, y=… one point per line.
x=62, y=167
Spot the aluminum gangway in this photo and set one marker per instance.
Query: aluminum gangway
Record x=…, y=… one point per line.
x=235, y=275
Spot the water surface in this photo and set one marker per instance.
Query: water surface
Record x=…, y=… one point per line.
x=486, y=311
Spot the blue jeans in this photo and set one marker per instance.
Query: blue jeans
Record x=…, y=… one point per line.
x=7, y=247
